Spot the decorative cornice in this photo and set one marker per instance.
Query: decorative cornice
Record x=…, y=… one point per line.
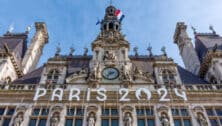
x=13, y=61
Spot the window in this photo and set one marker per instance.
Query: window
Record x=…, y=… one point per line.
x=214, y=115
x=110, y=26
x=181, y=116
x=52, y=77
x=110, y=117
x=145, y=116
x=39, y=116
x=6, y=114
x=168, y=77
x=74, y=116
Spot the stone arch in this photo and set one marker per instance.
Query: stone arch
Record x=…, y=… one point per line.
x=19, y=118
x=91, y=115
x=55, y=115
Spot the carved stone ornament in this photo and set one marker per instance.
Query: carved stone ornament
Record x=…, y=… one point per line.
x=199, y=114
x=164, y=119
x=128, y=120
x=95, y=72
x=80, y=75
x=109, y=55
x=139, y=75
x=91, y=119
x=19, y=119
x=170, y=69
x=54, y=121
x=201, y=119
x=125, y=73
x=127, y=108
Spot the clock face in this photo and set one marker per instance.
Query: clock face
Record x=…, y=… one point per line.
x=110, y=73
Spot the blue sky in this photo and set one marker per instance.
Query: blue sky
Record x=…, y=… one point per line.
x=72, y=22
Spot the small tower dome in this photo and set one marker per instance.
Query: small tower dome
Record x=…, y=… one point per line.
x=110, y=11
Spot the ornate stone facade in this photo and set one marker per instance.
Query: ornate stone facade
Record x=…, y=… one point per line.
x=110, y=87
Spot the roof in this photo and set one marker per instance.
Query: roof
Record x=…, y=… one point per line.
x=17, y=43
x=188, y=77
x=205, y=42
x=30, y=78
x=76, y=63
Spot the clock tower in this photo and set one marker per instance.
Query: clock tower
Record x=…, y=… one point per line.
x=110, y=62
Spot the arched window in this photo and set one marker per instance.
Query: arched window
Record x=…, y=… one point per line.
x=53, y=76
x=110, y=26
x=168, y=77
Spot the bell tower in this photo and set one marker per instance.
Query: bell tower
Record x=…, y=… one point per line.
x=110, y=62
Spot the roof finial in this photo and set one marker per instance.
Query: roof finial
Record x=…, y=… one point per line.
x=150, y=50
x=194, y=30
x=28, y=28
x=72, y=50
x=85, y=51
x=215, y=47
x=11, y=28
x=212, y=29
x=163, y=49
x=135, y=49
x=58, y=50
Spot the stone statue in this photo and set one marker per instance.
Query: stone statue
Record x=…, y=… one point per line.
x=96, y=72
x=202, y=121
x=109, y=56
x=91, y=120
x=128, y=120
x=125, y=73
x=18, y=120
x=54, y=120
x=164, y=120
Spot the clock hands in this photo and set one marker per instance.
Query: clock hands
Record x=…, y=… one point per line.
x=110, y=73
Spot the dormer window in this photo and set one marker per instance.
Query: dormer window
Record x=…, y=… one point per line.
x=168, y=77
x=53, y=76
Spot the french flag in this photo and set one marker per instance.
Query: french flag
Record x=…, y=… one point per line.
x=119, y=15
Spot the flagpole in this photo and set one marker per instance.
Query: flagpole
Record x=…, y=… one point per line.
x=111, y=2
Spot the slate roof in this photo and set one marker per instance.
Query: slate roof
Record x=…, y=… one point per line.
x=16, y=43
x=189, y=78
x=78, y=62
x=30, y=78
x=205, y=42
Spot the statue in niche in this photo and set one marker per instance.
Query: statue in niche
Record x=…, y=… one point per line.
x=164, y=119
x=202, y=121
x=125, y=73
x=96, y=72
x=109, y=56
x=18, y=120
x=128, y=120
x=91, y=119
x=54, y=120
